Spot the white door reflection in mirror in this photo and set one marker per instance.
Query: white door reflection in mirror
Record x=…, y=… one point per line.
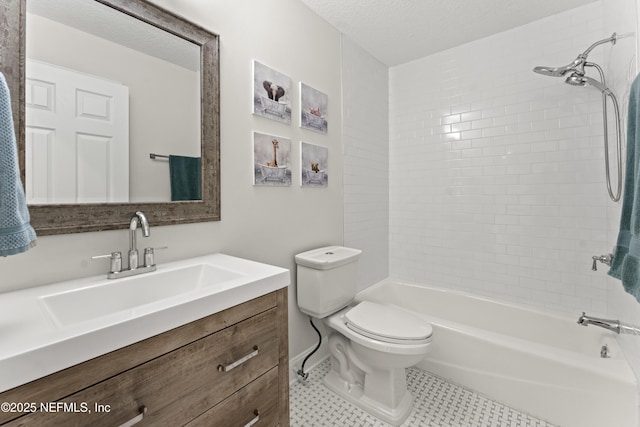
x=77, y=137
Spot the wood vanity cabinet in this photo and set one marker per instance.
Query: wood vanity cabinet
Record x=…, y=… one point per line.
x=228, y=369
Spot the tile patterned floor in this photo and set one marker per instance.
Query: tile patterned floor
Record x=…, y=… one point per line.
x=438, y=403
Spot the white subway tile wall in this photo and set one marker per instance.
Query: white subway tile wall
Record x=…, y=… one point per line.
x=365, y=98
x=497, y=173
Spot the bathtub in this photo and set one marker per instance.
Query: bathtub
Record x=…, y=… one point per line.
x=273, y=173
x=542, y=364
x=273, y=107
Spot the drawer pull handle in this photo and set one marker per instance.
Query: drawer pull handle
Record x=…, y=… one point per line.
x=137, y=418
x=255, y=420
x=240, y=361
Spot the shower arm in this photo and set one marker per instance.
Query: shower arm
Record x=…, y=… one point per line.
x=581, y=61
x=611, y=40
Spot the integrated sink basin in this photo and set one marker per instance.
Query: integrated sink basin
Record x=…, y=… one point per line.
x=113, y=296
x=49, y=328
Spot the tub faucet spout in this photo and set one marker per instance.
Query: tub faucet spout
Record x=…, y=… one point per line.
x=612, y=325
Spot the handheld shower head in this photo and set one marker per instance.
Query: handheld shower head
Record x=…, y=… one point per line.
x=578, y=80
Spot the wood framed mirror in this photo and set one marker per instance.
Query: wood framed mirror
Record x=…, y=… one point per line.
x=73, y=217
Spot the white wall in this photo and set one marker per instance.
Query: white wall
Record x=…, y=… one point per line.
x=263, y=224
x=365, y=135
x=497, y=174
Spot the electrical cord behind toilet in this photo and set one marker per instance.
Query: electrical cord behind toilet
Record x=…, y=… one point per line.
x=301, y=372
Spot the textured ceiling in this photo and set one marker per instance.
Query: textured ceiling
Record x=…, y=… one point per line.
x=107, y=23
x=398, y=31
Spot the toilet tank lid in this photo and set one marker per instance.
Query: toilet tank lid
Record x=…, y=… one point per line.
x=386, y=321
x=328, y=257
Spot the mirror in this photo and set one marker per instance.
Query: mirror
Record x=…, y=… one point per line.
x=190, y=101
x=93, y=110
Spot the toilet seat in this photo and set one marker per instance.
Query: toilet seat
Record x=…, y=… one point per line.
x=388, y=324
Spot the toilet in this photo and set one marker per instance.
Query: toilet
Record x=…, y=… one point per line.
x=370, y=344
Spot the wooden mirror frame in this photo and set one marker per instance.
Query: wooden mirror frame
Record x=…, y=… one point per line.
x=77, y=218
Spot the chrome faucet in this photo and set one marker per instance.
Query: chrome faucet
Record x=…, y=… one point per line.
x=138, y=220
x=613, y=325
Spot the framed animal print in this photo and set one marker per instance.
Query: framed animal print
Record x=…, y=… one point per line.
x=271, y=93
x=314, y=161
x=313, y=109
x=271, y=160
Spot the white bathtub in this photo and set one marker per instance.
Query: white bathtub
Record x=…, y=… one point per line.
x=540, y=363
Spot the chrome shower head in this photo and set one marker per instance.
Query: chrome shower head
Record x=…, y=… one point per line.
x=550, y=71
x=578, y=80
x=575, y=66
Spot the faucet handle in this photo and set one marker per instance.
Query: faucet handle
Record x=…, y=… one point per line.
x=149, y=255
x=606, y=259
x=116, y=260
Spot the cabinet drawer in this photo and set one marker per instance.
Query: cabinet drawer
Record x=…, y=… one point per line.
x=179, y=385
x=256, y=404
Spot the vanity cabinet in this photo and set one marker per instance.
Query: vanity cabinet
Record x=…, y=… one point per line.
x=227, y=369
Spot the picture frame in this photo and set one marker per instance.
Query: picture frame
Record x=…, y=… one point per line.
x=313, y=109
x=271, y=93
x=271, y=160
x=314, y=160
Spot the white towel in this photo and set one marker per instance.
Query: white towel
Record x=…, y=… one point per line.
x=16, y=233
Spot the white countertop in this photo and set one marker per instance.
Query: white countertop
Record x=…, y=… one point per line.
x=33, y=344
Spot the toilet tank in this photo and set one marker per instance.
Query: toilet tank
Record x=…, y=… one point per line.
x=326, y=279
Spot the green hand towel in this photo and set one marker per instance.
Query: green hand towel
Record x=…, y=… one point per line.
x=186, y=183
x=626, y=261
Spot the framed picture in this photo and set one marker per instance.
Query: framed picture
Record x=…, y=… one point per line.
x=313, y=109
x=271, y=93
x=313, y=165
x=271, y=160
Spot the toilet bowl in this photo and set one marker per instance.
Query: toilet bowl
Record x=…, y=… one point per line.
x=370, y=344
